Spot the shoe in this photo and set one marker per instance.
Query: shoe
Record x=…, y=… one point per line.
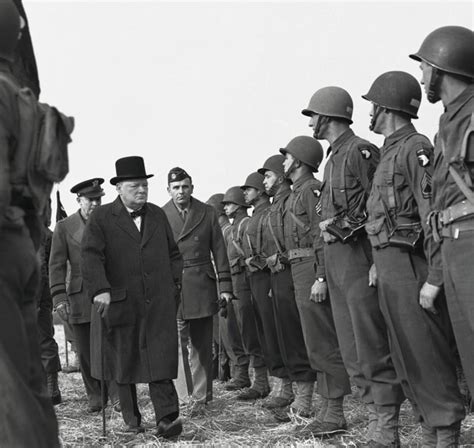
x=53, y=387
x=70, y=369
x=93, y=408
x=116, y=406
x=132, y=429
x=276, y=402
x=56, y=398
x=284, y=415
x=319, y=429
x=168, y=429
x=237, y=384
x=252, y=394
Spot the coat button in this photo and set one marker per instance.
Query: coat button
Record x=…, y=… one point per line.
x=196, y=254
x=147, y=301
x=196, y=238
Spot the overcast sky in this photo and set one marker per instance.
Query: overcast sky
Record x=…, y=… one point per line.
x=215, y=88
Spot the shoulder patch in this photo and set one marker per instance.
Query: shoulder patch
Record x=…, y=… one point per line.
x=425, y=185
x=424, y=155
x=317, y=192
x=365, y=151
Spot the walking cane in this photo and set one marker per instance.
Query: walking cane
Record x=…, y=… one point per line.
x=66, y=347
x=102, y=381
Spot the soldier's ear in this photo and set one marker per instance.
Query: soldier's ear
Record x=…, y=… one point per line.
x=78, y=199
x=168, y=189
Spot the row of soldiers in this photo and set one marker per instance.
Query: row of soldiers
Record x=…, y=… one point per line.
x=364, y=276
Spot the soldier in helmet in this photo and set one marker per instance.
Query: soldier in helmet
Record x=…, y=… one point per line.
x=360, y=326
x=405, y=257
x=447, y=62
x=26, y=411
x=288, y=324
x=258, y=276
x=235, y=208
x=304, y=246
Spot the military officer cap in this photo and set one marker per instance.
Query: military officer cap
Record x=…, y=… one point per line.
x=177, y=174
x=90, y=188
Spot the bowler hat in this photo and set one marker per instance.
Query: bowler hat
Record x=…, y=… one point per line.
x=132, y=167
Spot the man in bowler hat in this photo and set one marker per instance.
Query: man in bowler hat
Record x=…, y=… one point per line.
x=132, y=271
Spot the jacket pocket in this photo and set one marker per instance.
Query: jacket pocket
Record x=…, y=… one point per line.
x=377, y=233
x=121, y=312
x=75, y=285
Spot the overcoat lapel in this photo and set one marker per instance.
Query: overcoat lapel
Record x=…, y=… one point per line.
x=151, y=224
x=77, y=227
x=124, y=221
x=196, y=214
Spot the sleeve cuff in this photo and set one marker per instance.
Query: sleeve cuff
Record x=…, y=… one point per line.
x=435, y=277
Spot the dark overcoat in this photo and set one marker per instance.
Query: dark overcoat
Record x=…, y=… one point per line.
x=199, y=237
x=141, y=271
x=66, y=256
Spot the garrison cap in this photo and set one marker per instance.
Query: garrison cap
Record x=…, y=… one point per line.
x=90, y=188
x=177, y=174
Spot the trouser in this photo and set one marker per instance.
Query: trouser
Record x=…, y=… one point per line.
x=48, y=346
x=248, y=327
x=163, y=397
x=288, y=328
x=195, y=358
x=319, y=333
x=421, y=350
x=25, y=399
x=232, y=340
x=260, y=286
x=360, y=326
x=82, y=335
x=458, y=273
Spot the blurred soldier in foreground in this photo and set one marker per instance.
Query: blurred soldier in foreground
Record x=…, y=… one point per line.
x=287, y=320
x=236, y=209
x=447, y=64
x=406, y=256
x=70, y=298
x=26, y=411
x=360, y=326
x=132, y=270
x=305, y=252
x=199, y=237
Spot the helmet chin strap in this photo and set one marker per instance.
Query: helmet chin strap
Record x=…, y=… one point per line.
x=317, y=130
x=377, y=111
x=274, y=188
x=433, y=88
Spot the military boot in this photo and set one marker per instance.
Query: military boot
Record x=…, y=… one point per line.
x=386, y=434
x=281, y=396
x=373, y=421
x=429, y=436
x=323, y=408
x=333, y=422
x=53, y=387
x=241, y=379
x=448, y=436
x=260, y=387
x=301, y=405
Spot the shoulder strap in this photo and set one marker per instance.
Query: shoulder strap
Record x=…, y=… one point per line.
x=235, y=242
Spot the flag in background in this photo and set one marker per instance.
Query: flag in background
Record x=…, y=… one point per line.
x=60, y=212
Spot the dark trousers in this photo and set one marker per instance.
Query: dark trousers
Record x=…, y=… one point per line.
x=319, y=333
x=48, y=346
x=421, y=351
x=24, y=392
x=195, y=357
x=82, y=335
x=288, y=328
x=163, y=397
x=245, y=314
x=360, y=326
x=260, y=286
x=458, y=256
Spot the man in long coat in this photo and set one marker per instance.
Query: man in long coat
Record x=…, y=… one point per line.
x=197, y=232
x=132, y=270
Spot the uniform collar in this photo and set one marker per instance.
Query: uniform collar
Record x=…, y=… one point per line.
x=282, y=193
x=340, y=141
x=240, y=214
x=399, y=134
x=460, y=100
x=260, y=207
x=299, y=182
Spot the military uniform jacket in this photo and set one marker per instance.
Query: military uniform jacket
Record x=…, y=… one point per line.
x=200, y=241
x=253, y=236
x=411, y=187
x=453, y=126
x=348, y=177
x=66, y=255
x=273, y=234
x=141, y=271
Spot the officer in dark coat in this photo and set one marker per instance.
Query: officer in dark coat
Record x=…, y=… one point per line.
x=360, y=327
x=398, y=207
x=26, y=413
x=70, y=298
x=199, y=237
x=446, y=57
x=303, y=241
x=132, y=270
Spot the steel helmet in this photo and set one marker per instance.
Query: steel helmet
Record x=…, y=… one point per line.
x=450, y=49
x=254, y=180
x=331, y=102
x=275, y=164
x=397, y=91
x=9, y=29
x=234, y=195
x=306, y=149
x=215, y=201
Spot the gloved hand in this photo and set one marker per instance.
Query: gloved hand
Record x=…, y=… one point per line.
x=63, y=310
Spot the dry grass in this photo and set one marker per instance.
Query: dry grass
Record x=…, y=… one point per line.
x=224, y=423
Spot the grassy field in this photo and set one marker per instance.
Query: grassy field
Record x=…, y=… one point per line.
x=224, y=423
